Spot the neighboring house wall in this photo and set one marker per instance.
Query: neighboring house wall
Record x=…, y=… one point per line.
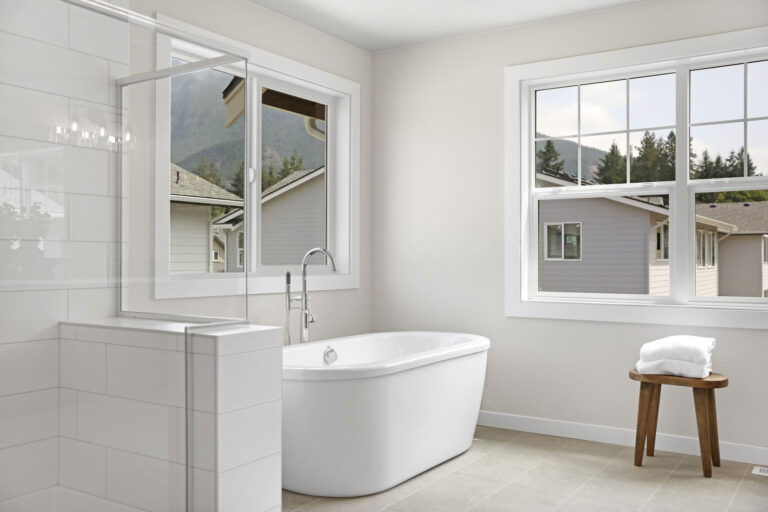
x=614, y=247
x=741, y=266
x=658, y=269
x=190, y=238
x=293, y=223
x=232, y=250
x=707, y=284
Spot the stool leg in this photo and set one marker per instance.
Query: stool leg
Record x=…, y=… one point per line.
x=642, y=421
x=702, y=422
x=714, y=439
x=653, y=418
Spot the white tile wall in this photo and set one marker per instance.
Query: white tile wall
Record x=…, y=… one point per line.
x=45, y=20
x=83, y=365
x=32, y=315
x=29, y=366
x=157, y=376
x=129, y=425
x=91, y=304
x=29, y=417
x=92, y=33
x=203, y=439
x=28, y=467
x=67, y=413
x=161, y=483
x=249, y=434
x=83, y=466
x=238, y=490
x=31, y=114
x=249, y=379
x=132, y=337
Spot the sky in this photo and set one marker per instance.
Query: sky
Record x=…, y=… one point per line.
x=717, y=95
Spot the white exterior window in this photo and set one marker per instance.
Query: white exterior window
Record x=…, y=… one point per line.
x=658, y=151
x=280, y=171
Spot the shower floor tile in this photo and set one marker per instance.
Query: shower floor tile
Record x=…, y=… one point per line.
x=507, y=471
x=62, y=499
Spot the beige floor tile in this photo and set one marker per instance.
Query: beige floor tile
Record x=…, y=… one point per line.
x=293, y=501
x=625, y=486
x=583, y=457
x=700, y=494
x=538, y=490
x=582, y=504
x=752, y=495
x=454, y=493
x=495, y=434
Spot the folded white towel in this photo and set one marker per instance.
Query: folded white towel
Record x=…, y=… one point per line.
x=682, y=348
x=675, y=367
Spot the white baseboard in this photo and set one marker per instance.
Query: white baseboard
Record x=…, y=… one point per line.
x=621, y=436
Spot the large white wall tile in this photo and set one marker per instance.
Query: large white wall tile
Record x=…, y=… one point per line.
x=83, y=365
x=203, y=440
x=45, y=20
x=150, y=375
x=28, y=467
x=99, y=35
x=29, y=417
x=254, y=486
x=31, y=215
x=133, y=337
x=67, y=413
x=146, y=483
x=256, y=338
x=203, y=378
x=31, y=114
x=100, y=121
x=41, y=66
x=249, y=434
x=92, y=304
x=92, y=218
x=138, y=427
x=29, y=366
x=51, y=264
x=203, y=491
x=31, y=315
x=249, y=379
x=83, y=466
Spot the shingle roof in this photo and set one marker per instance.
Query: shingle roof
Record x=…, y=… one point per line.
x=294, y=176
x=749, y=217
x=188, y=184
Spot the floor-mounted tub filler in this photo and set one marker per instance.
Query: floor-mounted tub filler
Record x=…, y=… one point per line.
x=365, y=413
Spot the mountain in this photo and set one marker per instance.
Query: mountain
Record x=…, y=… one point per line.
x=198, y=117
x=569, y=154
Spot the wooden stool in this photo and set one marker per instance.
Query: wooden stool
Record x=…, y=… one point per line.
x=706, y=414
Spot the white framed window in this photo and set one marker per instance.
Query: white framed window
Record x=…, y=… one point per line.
x=563, y=241
x=765, y=248
x=607, y=134
x=302, y=194
x=215, y=256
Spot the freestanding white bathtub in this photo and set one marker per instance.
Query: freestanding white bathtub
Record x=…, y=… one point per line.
x=390, y=407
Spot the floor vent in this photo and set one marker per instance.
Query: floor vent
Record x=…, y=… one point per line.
x=760, y=470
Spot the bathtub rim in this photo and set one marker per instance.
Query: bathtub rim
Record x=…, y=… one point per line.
x=472, y=345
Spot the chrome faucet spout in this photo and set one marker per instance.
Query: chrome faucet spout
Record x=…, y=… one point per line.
x=306, y=314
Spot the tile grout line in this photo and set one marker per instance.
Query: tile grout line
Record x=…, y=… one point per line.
x=655, y=491
x=738, y=488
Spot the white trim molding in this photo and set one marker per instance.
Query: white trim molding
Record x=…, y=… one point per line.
x=681, y=306
x=617, y=435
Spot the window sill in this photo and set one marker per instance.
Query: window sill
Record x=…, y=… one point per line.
x=699, y=314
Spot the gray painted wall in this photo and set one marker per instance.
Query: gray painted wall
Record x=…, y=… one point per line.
x=190, y=238
x=741, y=266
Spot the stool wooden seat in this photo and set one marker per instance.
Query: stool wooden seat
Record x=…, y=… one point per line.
x=706, y=414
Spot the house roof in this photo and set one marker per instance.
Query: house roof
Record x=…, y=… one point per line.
x=749, y=217
x=188, y=187
x=291, y=179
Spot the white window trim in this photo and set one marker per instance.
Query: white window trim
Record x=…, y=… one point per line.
x=562, y=241
x=344, y=221
x=659, y=232
x=678, y=308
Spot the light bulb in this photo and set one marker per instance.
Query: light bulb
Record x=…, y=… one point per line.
x=111, y=139
x=86, y=135
x=59, y=130
x=102, y=132
x=74, y=126
x=127, y=136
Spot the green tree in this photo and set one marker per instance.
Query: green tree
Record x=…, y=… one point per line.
x=208, y=171
x=268, y=177
x=548, y=159
x=291, y=163
x=237, y=185
x=612, y=167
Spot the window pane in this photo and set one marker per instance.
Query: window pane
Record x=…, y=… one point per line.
x=757, y=83
x=717, y=94
x=665, y=245
x=207, y=172
x=556, y=162
x=572, y=241
x=757, y=147
x=717, y=150
x=554, y=241
x=609, y=245
x=604, y=159
x=653, y=156
x=652, y=101
x=604, y=107
x=556, y=112
x=293, y=177
x=730, y=260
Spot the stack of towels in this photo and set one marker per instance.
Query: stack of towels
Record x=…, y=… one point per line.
x=684, y=356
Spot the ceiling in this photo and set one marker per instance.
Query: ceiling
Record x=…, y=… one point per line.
x=383, y=24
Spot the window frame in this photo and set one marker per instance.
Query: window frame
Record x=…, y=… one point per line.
x=562, y=241
x=343, y=198
x=662, y=236
x=682, y=306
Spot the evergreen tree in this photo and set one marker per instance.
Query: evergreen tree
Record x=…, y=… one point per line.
x=612, y=167
x=268, y=177
x=208, y=171
x=237, y=185
x=548, y=158
x=291, y=163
